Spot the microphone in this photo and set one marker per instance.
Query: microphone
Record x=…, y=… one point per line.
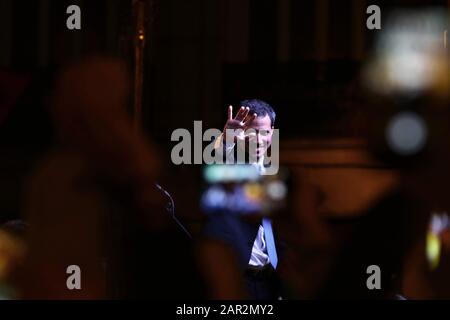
x=171, y=209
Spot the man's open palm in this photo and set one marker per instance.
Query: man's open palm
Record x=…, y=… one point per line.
x=241, y=121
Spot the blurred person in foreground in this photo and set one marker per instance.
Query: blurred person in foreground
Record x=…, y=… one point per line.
x=12, y=254
x=408, y=132
x=92, y=200
x=412, y=102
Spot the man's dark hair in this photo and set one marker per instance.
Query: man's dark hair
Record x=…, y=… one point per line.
x=261, y=108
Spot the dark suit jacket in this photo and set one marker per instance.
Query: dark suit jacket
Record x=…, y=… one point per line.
x=234, y=231
x=239, y=233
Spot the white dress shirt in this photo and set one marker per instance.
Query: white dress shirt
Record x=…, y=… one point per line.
x=259, y=256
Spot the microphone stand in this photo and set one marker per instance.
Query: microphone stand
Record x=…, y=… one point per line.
x=171, y=210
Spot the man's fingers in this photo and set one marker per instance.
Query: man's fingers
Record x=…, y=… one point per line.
x=230, y=112
x=246, y=111
x=250, y=118
x=240, y=114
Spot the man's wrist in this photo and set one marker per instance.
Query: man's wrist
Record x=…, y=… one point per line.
x=228, y=143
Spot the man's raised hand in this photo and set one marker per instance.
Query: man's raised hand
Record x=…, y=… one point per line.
x=240, y=122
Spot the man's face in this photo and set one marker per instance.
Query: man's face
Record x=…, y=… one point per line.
x=261, y=135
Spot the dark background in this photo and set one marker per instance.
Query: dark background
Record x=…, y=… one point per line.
x=303, y=57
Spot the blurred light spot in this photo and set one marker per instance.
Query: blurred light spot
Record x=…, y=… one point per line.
x=438, y=224
x=230, y=173
x=409, y=55
x=276, y=190
x=214, y=197
x=253, y=191
x=406, y=133
x=433, y=250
